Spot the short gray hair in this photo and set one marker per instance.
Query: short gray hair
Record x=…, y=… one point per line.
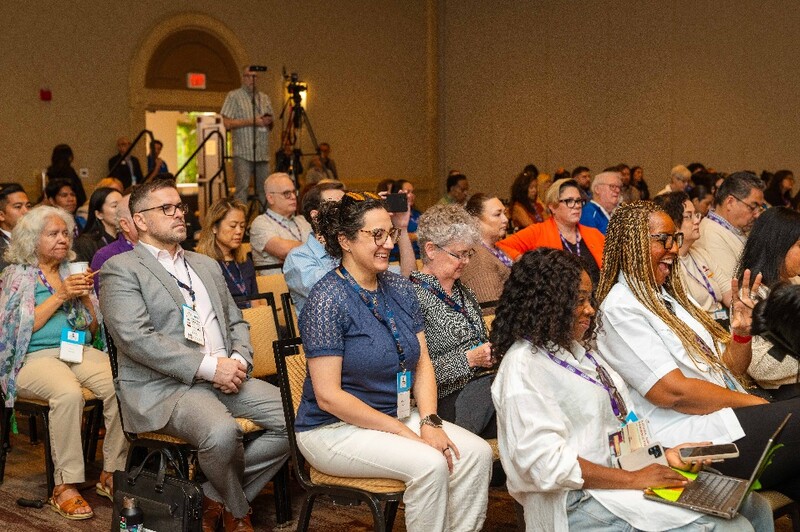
x=26, y=234
x=681, y=172
x=445, y=224
x=602, y=178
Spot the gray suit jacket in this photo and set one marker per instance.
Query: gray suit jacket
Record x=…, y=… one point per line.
x=141, y=305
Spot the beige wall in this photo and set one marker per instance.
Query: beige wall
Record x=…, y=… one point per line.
x=563, y=83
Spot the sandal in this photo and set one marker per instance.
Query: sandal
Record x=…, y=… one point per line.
x=103, y=487
x=67, y=508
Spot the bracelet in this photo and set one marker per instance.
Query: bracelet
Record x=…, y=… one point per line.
x=741, y=339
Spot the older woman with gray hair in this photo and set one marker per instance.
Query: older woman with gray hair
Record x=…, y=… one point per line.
x=49, y=318
x=454, y=329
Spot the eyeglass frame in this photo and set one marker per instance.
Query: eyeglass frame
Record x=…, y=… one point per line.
x=376, y=235
x=759, y=207
x=574, y=201
x=666, y=237
x=467, y=255
x=287, y=194
x=183, y=206
x=695, y=216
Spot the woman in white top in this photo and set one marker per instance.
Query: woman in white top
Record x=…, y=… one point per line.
x=682, y=368
x=556, y=406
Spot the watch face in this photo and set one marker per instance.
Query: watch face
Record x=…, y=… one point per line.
x=436, y=420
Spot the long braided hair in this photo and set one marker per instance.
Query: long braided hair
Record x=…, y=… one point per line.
x=627, y=250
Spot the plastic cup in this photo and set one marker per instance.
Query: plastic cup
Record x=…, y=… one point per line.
x=77, y=268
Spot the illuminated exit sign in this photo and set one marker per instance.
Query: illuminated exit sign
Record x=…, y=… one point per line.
x=195, y=80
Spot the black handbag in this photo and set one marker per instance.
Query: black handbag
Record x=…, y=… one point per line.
x=168, y=503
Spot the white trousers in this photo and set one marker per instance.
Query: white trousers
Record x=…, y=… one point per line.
x=435, y=499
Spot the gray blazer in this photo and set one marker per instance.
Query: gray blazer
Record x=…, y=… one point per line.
x=141, y=305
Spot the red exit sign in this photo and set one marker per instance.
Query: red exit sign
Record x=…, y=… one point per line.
x=195, y=80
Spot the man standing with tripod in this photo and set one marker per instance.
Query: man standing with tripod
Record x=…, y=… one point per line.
x=247, y=113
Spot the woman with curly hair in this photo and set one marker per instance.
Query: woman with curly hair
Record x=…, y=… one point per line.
x=557, y=401
x=685, y=372
x=363, y=334
x=526, y=209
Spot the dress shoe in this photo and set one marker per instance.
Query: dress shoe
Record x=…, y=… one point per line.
x=212, y=511
x=233, y=524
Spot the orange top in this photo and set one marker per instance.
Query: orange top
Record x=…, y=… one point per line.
x=546, y=235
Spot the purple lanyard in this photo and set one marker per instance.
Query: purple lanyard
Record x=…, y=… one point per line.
x=372, y=304
x=567, y=245
x=703, y=279
x=298, y=236
x=617, y=404
x=501, y=256
x=724, y=223
x=450, y=303
x=240, y=284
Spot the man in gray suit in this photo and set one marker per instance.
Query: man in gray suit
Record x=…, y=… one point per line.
x=184, y=354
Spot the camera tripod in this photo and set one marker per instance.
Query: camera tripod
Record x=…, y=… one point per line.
x=296, y=120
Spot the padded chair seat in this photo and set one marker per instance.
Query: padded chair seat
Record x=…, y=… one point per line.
x=374, y=485
x=776, y=499
x=495, y=448
x=88, y=395
x=245, y=425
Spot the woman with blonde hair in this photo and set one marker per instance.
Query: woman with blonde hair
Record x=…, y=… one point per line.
x=221, y=239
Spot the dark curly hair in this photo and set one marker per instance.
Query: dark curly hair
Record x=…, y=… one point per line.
x=346, y=218
x=672, y=203
x=538, y=301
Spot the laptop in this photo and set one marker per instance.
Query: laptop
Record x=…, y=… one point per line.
x=721, y=495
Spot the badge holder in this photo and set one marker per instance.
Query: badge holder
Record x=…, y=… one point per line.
x=72, y=343
x=403, y=394
x=192, y=326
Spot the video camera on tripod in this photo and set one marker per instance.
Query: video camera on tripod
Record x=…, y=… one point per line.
x=295, y=86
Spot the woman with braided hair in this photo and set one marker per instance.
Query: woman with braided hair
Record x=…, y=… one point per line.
x=684, y=371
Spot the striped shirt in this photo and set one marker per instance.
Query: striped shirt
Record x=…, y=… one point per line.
x=239, y=106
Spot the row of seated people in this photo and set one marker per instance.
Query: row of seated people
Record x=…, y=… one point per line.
x=363, y=259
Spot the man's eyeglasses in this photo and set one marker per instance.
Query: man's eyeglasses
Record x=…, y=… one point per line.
x=616, y=188
x=667, y=240
x=169, y=210
x=753, y=208
x=573, y=202
x=463, y=256
x=287, y=194
x=380, y=236
x=694, y=216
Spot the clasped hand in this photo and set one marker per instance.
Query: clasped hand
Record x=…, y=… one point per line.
x=229, y=376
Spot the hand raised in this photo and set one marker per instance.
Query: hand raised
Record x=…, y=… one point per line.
x=742, y=304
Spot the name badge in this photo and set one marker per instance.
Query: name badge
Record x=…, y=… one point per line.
x=192, y=326
x=403, y=394
x=72, y=343
x=721, y=314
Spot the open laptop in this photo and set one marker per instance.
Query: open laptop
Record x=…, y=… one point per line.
x=721, y=495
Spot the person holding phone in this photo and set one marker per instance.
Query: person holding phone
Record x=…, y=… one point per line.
x=247, y=113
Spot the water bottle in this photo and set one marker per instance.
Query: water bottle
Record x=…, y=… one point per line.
x=131, y=517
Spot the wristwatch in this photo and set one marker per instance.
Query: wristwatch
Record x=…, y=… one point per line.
x=431, y=420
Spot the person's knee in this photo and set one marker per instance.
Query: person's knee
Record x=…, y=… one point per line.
x=432, y=469
x=67, y=395
x=223, y=437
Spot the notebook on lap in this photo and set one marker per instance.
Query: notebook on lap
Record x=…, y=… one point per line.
x=721, y=495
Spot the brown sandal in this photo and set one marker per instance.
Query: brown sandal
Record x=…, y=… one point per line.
x=104, y=486
x=67, y=508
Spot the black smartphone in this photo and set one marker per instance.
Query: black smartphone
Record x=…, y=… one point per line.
x=397, y=202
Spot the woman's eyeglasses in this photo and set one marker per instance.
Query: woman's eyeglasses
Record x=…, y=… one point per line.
x=667, y=240
x=380, y=236
x=573, y=202
x=695, y=216
x=463, y=256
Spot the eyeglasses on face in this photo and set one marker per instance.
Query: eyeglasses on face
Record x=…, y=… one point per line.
x=169, y=209
x=380, y=236
x=463, y=256
x=287, y=194
x=753, y=208
x=667, y=240
x=614, y=187
x=573, y=202
x=693, y=216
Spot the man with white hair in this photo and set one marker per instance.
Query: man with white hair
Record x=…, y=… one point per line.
x=678, y=180
x=276, y=232
x=606, y=188
x=127, y=237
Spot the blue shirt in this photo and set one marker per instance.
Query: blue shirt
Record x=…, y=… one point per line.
x=593, y=216
x=336, y=322
x=49, y=335
x=303, y=267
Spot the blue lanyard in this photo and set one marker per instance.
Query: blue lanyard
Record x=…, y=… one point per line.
x=450, y=302
x=298, y=236
x=184, y=286
x=501, y=256
x=76, y=318
x=704, y=280
x=567, y=245
x=371, y=302
x=240, y=284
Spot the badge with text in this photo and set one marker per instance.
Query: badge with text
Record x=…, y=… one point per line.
x=192, y=326
x=72, y=343
x=403, y=394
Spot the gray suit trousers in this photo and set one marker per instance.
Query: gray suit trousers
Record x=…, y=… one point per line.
x=236, y=473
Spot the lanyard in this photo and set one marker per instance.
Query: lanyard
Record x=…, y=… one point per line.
x=536, y=215
x=703, y=279
x=184, y=286
x=371, y=302
x=450, y=302
x=240, y=284
x=501, y=256
x=617, y=404
x=298, y=236
x=567, y=245
x=76, y=318
x=713, y=216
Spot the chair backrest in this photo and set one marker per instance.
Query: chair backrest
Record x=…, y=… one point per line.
x=263, y=331
x=291, y=364
x=276, y=284
x=290, y=315
x=247, y=248
x=488, y=320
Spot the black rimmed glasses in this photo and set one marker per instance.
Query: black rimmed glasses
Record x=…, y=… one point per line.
x=380, y=236
x=667, y=240
x=753, y=208
x=169, y=209
x=463, y=256
x=287, y=194
x=571, y=203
